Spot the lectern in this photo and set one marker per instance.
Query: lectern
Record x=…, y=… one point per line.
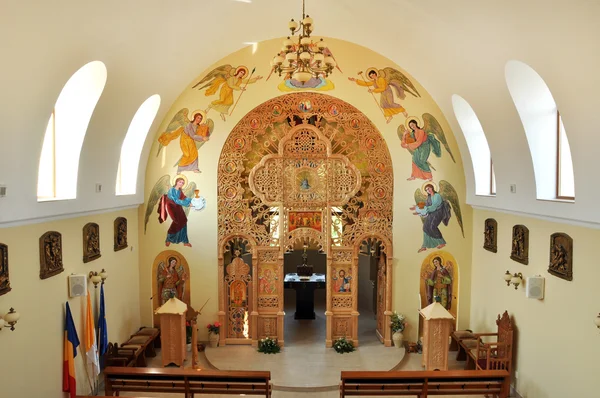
x=437, y=324
x=172, y=331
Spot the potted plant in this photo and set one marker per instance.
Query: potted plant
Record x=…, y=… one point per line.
x=398, y=323
x=268, y=346
x=213, y=333
x=342, y=345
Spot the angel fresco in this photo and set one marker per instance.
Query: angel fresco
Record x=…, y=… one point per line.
x=192, y=135
x=228, y=79
x=434, y=207
x=382, y=81
x=173, y=201
x=420, y=142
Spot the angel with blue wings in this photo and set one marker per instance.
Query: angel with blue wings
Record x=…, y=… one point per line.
x=435, y=207
x=420, y=142
x=192, y=135
x=382, y=81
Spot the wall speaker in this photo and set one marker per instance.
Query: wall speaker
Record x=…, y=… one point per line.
x=77, y=285
x=534, y=287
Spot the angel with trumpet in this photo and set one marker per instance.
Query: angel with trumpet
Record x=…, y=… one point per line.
x=382, y=81
x=226, y=79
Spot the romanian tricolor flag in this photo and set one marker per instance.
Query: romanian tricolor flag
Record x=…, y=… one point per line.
x=70, y=352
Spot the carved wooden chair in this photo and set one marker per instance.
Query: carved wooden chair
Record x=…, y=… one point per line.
x=492, y=355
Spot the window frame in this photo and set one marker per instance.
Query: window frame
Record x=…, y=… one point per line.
x=558, y=164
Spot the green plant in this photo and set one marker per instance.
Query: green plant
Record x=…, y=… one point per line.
x=397, y=322
x=268, y=346
x=342, y=345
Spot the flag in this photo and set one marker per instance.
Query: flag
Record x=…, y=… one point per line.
x=102, y=332
x=91, y=349
x=71, y=343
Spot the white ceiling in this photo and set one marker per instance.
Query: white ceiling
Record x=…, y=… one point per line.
x=159, y=46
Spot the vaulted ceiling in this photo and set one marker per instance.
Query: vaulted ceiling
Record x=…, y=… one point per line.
x=158, y=46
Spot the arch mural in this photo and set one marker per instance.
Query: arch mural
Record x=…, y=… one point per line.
x=170, y=276
x=292, y=172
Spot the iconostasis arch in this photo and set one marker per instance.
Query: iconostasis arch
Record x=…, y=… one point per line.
x=310, y=168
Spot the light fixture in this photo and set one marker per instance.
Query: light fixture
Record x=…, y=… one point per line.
x=10, y=319
x=95, y=278
x=597, y=321
x=516, y=279
x=303, y=59
x=103, y=275
x=507, y=278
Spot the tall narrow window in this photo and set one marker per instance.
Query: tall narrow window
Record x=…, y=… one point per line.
x=59, y=160
x=565, y=185
x=485, y=180
x=546, y=137
x=133, y=144
x=492, y=178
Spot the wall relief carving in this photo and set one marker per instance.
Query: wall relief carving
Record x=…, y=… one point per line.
x=561, y=256
x=51, y=262
x=120, y=233
x=4, y=281
x=520, y=244
x=91, y=242
x=490, y=235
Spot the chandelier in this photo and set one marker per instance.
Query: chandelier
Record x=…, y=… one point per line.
x=303, y=59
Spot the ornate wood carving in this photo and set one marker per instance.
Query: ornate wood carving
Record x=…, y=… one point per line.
x=4, y=281
x=91, y=242
x=120, y=233
x=520, y=244
x=490, y=235
x=51, y=262
x=561, y=256
x=267, y=327
x=298, y=161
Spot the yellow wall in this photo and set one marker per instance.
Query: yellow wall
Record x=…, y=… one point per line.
x=407, y=229
x=32, y=355
x=556, y=339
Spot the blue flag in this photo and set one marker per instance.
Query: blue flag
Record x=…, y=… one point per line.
x=102, y=332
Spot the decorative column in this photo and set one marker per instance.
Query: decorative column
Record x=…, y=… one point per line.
x=222, y=305
x=387, y=331
x=329, y=297
x=254, y=304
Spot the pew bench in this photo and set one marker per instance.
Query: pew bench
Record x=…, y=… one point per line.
x=185, y=381
x=423, y=384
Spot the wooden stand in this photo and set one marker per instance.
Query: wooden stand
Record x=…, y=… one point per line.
x=172, y=331
x=437, y=324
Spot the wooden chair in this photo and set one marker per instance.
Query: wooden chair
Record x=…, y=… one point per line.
x=118, y=357
x=492, y=355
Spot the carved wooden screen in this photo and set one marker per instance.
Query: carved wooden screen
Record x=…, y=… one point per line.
x=312, y=157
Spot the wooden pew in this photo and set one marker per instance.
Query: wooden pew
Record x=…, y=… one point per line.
x=186, y=381
x=425, y=383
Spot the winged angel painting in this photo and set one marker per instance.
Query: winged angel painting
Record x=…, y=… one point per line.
x=434, y=207
x=174, y=201
x=382, y=81
x=192, y=135
x=420, y=142
x=225, y=79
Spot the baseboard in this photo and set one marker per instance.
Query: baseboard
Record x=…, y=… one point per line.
x=514, y=392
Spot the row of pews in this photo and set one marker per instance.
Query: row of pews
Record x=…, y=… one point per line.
x=190, y=382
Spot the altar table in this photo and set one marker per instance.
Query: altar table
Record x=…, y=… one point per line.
x=305, y=293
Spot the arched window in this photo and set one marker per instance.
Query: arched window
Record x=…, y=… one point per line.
x=546, y=137
x=485, y=180
x=133, y=144
x=59, y=160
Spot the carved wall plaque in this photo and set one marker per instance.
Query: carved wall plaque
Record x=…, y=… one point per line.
x=490, y=235
x=520, y=244
x=91, y=242
x=51, y=262
x=561, y=256
x=4, y=281
x=120, y=233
